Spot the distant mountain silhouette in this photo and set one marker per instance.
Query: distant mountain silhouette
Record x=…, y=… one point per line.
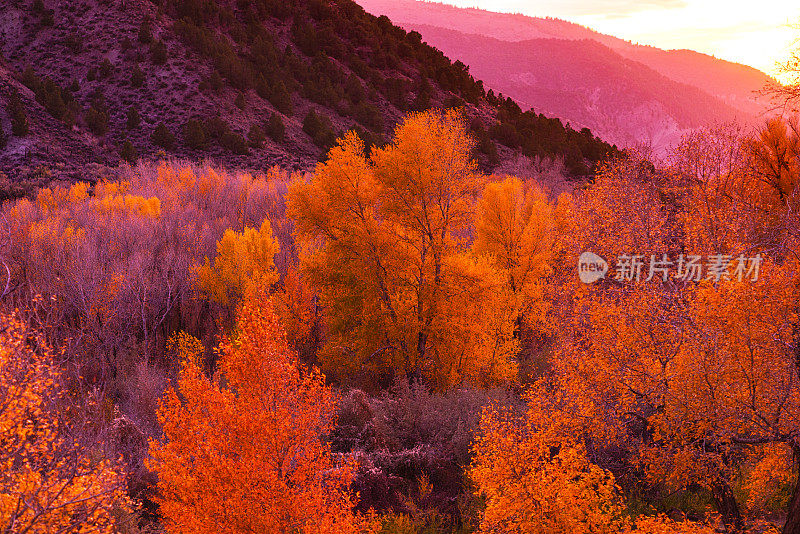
x=626, y=93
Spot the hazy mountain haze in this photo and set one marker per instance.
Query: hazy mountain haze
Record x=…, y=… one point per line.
x=624, y=92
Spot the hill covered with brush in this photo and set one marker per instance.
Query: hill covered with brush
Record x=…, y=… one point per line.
x=87, y=84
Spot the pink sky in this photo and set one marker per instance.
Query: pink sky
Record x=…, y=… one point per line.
x=756, y=33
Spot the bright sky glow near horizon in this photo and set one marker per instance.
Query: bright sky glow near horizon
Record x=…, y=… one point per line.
x=756, y=33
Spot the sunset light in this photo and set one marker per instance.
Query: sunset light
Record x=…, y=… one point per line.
x=399, y=267
x=756, y=34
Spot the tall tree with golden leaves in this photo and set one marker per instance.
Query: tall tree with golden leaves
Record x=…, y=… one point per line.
x=242, y=259
x=515, y=229
x=385, y=244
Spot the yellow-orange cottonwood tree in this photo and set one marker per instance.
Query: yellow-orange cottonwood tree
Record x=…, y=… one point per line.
x=385, y=245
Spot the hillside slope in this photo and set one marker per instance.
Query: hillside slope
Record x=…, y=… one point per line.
x=247, y=84
x=47, y=141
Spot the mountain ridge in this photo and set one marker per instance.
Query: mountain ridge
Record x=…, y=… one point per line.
x=730, y=84
x=520, y=27
x=588, y=84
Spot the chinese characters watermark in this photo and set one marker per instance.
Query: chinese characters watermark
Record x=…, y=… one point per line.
x=686, y=268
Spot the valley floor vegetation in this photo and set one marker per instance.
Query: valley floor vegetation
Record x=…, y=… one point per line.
x=397, y=343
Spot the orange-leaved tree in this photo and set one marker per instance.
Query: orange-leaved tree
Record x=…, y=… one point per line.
x=515, y=228
x=532, y=482
x=536, y=478
x=385, y=245
x=775, y=162
x=686, y=376
x=244, y=451
x=51, y=479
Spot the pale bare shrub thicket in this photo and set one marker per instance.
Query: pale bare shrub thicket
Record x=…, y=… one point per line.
x=108, y=271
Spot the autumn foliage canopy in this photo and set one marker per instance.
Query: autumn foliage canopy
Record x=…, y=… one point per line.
x=648, y=402
x=52, y=478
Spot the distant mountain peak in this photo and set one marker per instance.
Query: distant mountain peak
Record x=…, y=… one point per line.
x=586, y=77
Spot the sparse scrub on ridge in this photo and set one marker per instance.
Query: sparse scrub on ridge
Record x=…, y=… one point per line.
x=249, y=57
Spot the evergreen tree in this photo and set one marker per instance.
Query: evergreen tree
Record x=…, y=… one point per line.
x=275, y=128
x=162, y=137
x=16, y=111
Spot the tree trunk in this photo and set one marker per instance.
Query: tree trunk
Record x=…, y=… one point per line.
x=792, y=525
x=727, y=506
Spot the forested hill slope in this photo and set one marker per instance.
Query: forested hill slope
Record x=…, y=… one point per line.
x=247, y=84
